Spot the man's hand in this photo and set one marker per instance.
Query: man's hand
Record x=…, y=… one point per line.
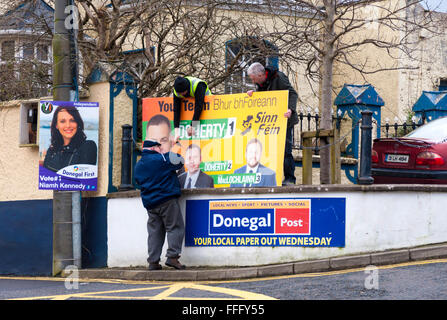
x=190, y=131
x=288, y=113
x=176, y=136
x=250, y=92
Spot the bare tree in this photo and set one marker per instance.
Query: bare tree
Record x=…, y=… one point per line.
x=337, y=31
x=172, y=37
x=158, y=40
x=154, y=40
x=25, y=62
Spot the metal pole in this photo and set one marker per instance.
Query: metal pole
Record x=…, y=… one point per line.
x=365, y=149
x=66, y=205
x=126, y=158
x=76, y=228
x=74, y=96
x=62, y=80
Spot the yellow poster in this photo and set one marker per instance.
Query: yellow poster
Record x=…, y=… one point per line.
x=241, y=139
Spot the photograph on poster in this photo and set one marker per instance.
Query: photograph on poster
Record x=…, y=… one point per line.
x=194, y=177
x=68, y=145
x=241, y=138
x=266, y=177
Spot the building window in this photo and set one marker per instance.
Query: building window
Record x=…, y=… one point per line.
x=139, y=68
x=42, y=53
x=28, y=124
x=138, y=61
x=240, y=54
x=8, y=50
x=24, y=79
x=28, y=51
x=443, y=84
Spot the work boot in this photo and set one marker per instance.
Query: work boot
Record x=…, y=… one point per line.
x=174, y=263
x=154, y=266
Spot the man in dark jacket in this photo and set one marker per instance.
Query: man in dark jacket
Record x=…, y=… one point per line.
x=269, y=79
x=160, y=190
x=185, y=87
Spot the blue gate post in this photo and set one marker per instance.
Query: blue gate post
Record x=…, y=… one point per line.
x=365, y=150
x=352, y=100
x=431, y=105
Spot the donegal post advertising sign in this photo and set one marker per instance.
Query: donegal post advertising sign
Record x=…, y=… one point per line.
x=311, y=222
x=235, y=133
x=68, y=145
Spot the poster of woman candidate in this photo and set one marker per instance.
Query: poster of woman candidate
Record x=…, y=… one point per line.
x=68, y=145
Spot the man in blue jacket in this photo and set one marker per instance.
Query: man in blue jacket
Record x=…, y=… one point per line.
x=160, y=190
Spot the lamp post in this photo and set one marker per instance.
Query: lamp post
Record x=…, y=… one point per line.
x=66, y=204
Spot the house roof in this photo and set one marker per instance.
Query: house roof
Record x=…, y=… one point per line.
x=34, y=15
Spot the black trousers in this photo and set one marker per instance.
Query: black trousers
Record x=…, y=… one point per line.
x=289, y=163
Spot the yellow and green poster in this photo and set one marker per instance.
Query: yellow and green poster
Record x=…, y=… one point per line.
x=241, y=138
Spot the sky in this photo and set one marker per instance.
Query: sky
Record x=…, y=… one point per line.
x=436, y=5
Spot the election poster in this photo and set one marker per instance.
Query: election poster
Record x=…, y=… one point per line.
x=239, y=139
x=68, y=145
x=297, y=222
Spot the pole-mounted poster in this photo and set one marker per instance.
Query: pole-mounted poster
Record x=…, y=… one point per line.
x=68, y=145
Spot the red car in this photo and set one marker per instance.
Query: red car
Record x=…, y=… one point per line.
x=420, y=157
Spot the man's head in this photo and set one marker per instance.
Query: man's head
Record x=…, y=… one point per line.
x=253, y=152
x=193, y=158
x=181, y=86
x=159, y=129
x=256, y=73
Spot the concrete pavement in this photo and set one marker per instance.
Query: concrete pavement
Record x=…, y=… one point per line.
x=234, y=273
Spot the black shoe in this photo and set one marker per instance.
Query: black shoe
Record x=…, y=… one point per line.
x=174, y=263
x=155, y=266
x=288, y=183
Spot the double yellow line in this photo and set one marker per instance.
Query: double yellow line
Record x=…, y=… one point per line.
x=169, y=288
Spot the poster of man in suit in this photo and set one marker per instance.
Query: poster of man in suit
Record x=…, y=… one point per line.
x=265, y=177
x=194, y=177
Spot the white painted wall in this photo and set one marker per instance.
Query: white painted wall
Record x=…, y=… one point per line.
x=375, y=221
x=126, y=232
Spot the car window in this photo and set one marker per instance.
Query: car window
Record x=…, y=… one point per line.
x=435, y=130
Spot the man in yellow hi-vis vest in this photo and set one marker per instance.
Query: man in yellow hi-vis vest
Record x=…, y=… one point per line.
x=188, y=87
